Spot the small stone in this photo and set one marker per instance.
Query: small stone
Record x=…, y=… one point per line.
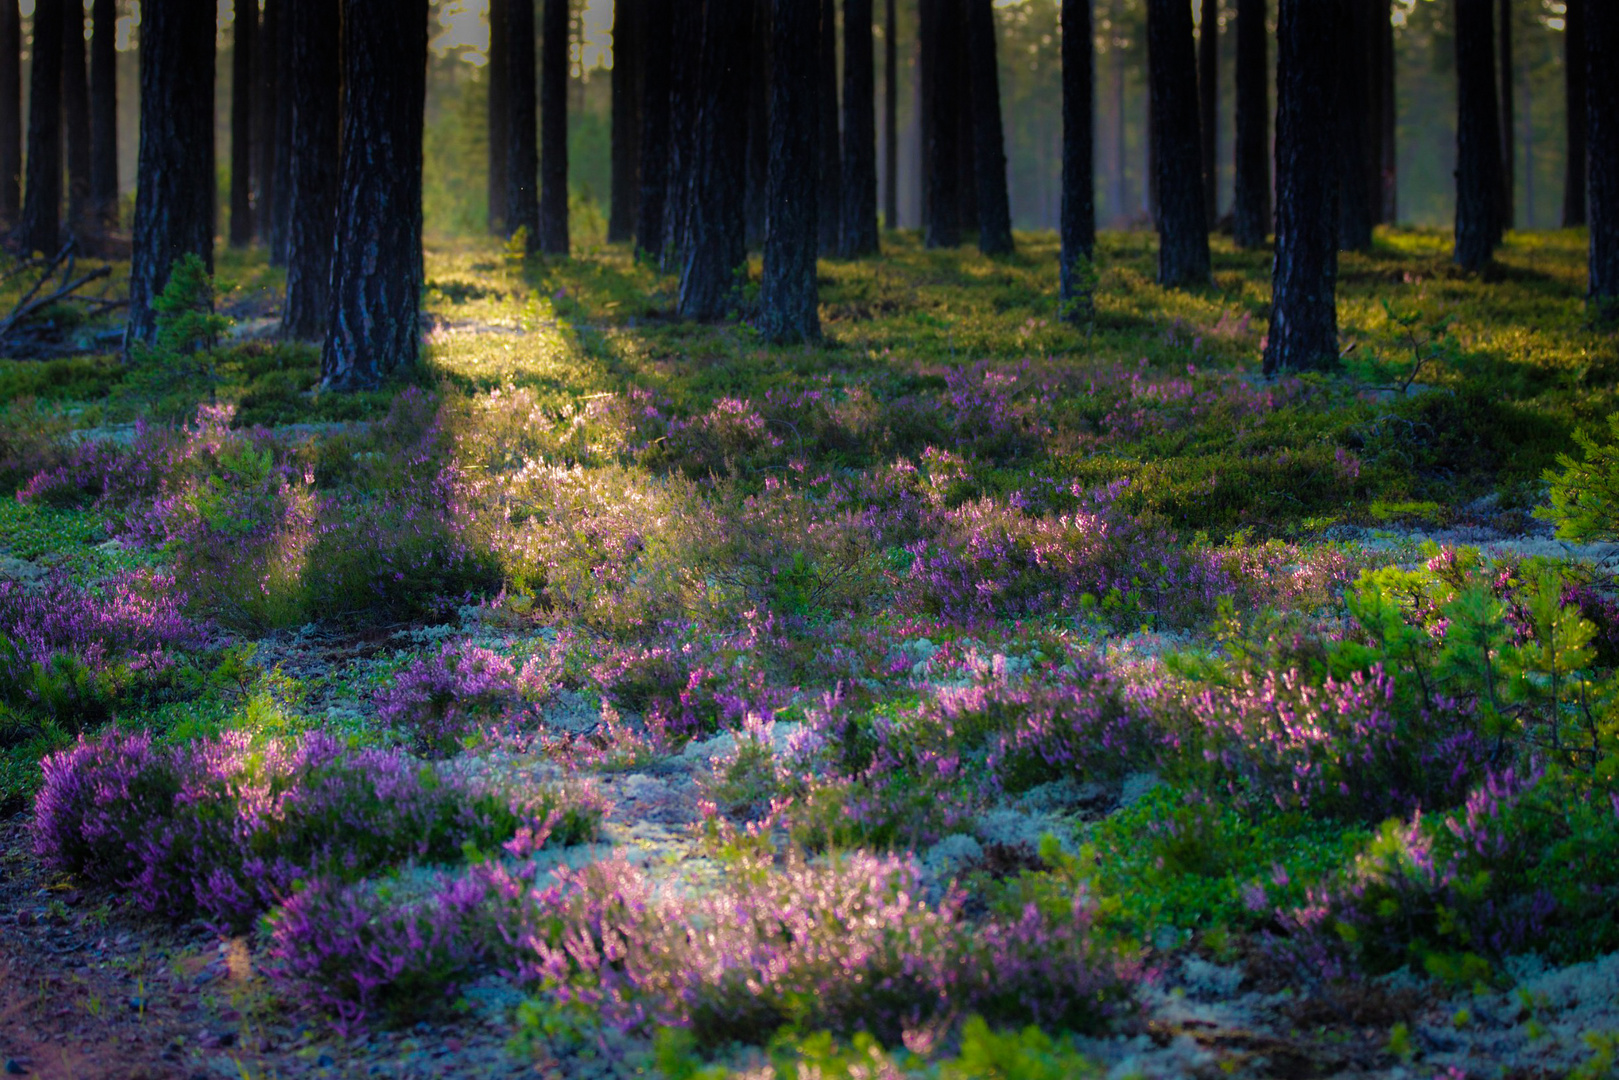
x=15, y=1067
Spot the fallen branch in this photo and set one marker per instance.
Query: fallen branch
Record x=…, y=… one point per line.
x=33, y=302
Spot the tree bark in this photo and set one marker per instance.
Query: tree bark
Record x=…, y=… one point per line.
x=1208, y=101
x=41, y=226
x=1509, y=210
x=104, y=113
x=1478, y=137
x=1574, y=83
x=1602, y=116
x=281, y=207
x=890, y=115
x=940, y=83
x=10, y=111
x=756, y=211
x=966, y=145
x=266, y=103
x=76, y=122
x=830, y=214
x=989, y=140
x=1388, y=127
x=1304, y=320
x=788, y=302
x=316, y=31
x=716, y=252
x=859, y=224
x=1078, y=159
x=1251, y=216
x=522, y=125
x=554, y=131
x=241, y=123
x=374, y=323
x=173, y=196
x=626, y=120
x=499, y=76
x=1354, y=38
x=684, y=106
x=1183, y=222
x=655, y=87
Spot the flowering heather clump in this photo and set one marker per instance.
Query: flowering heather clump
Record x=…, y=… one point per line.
x=97, y=802
x=438, y=699
x=690, y=689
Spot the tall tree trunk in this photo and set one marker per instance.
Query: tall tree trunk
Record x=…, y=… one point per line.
x=522, y=124
x=76, y=122
x=1251, y=220
x=1372, y=50
x=241, y=123
x=787, y=296
x=1120, y=198
x=1078, y=159
x=1574, y=83
x=173, y=196
x=316, y=30
x=281, y=208
x=1208, y=100
x=989, y=140
x=499, y=75
x=966, y=144
x=374, y=323
x=41, y=225
x=1354, y=38
x=716, y=254
x=1478, y=137
x=1602, y=115
x=859, y=224
x=104, y=112
x=684, y=106
x=554, y=131
x=890, y=115
x=759, y=126
x=10, y=111
x=626, y=120
x=655, y=90
x=1183, y=221
x=266, y=66
x=1388, y=117
x=940, y=85
x=830, y=213
x=1509, y=209
x=1304, y=318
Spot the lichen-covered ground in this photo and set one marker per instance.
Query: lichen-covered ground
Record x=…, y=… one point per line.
x=973, y=695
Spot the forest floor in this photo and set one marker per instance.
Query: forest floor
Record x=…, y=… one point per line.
x=618, y=696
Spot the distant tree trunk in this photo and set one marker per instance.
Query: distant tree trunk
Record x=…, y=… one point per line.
x=104, y=113
x=266, y=104
x=1388, y=109
x=1509, y=210
x=1078, y=159
x=1183, y=222
x=374, y=323
x=940, y=87
x=1602, y=112
x=41, y=225
x=1208, y=100
x=1478, y=138
x=281, y=207
x=966, y=158
x=173, y=196
x=787, y=295
x=655, y=91
x=241, y=124
x=554, y=131
x=1251, y=221
x=684, y=106
x=316, y=30
x=10, y=111
x=499, y=75
x=859, y=224
x=626, y=120
x=830, y=212
x=890, y=115
x=989, y=140
x=76, y=122
x=1304, y=318
x=1574, y=82
x=522, y=125
x=1120, y=180
x=716, y=251
x=759, y=126
x=1354, y=38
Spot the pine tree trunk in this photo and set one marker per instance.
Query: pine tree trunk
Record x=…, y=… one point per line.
x=654, y=125
x=788, y=302
x=374, y=323
x=1251, y=217
x=1208, y=101
x=756, y=212
x=1354, y=38
x=940, y=85
x=10, y=112
x=76, y=123
x=104, y=114
x=499, y=75
x=859, y=224
x=41, y=225
x=966, y=158
x=830, y=212
x=1574, y=82
x=1388, y=117
x=684, y=106
x=1183, y=222
x=266, y=65
x=1509, y=210
x=281, y=208
x=1078, y=159
x=522, y=124
x=1478, y=138
x=989, y=140
x=241, y=125
x=1304, y=320
x=1372, y=50
x=173, y=196
x=626, y=120
x=716, y=252
x=316, y=31
x=1602, y=116
x=890, y=116
x=554, y=131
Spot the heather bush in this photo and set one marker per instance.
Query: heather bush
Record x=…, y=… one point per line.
x=695, y=684
x=438, y=700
